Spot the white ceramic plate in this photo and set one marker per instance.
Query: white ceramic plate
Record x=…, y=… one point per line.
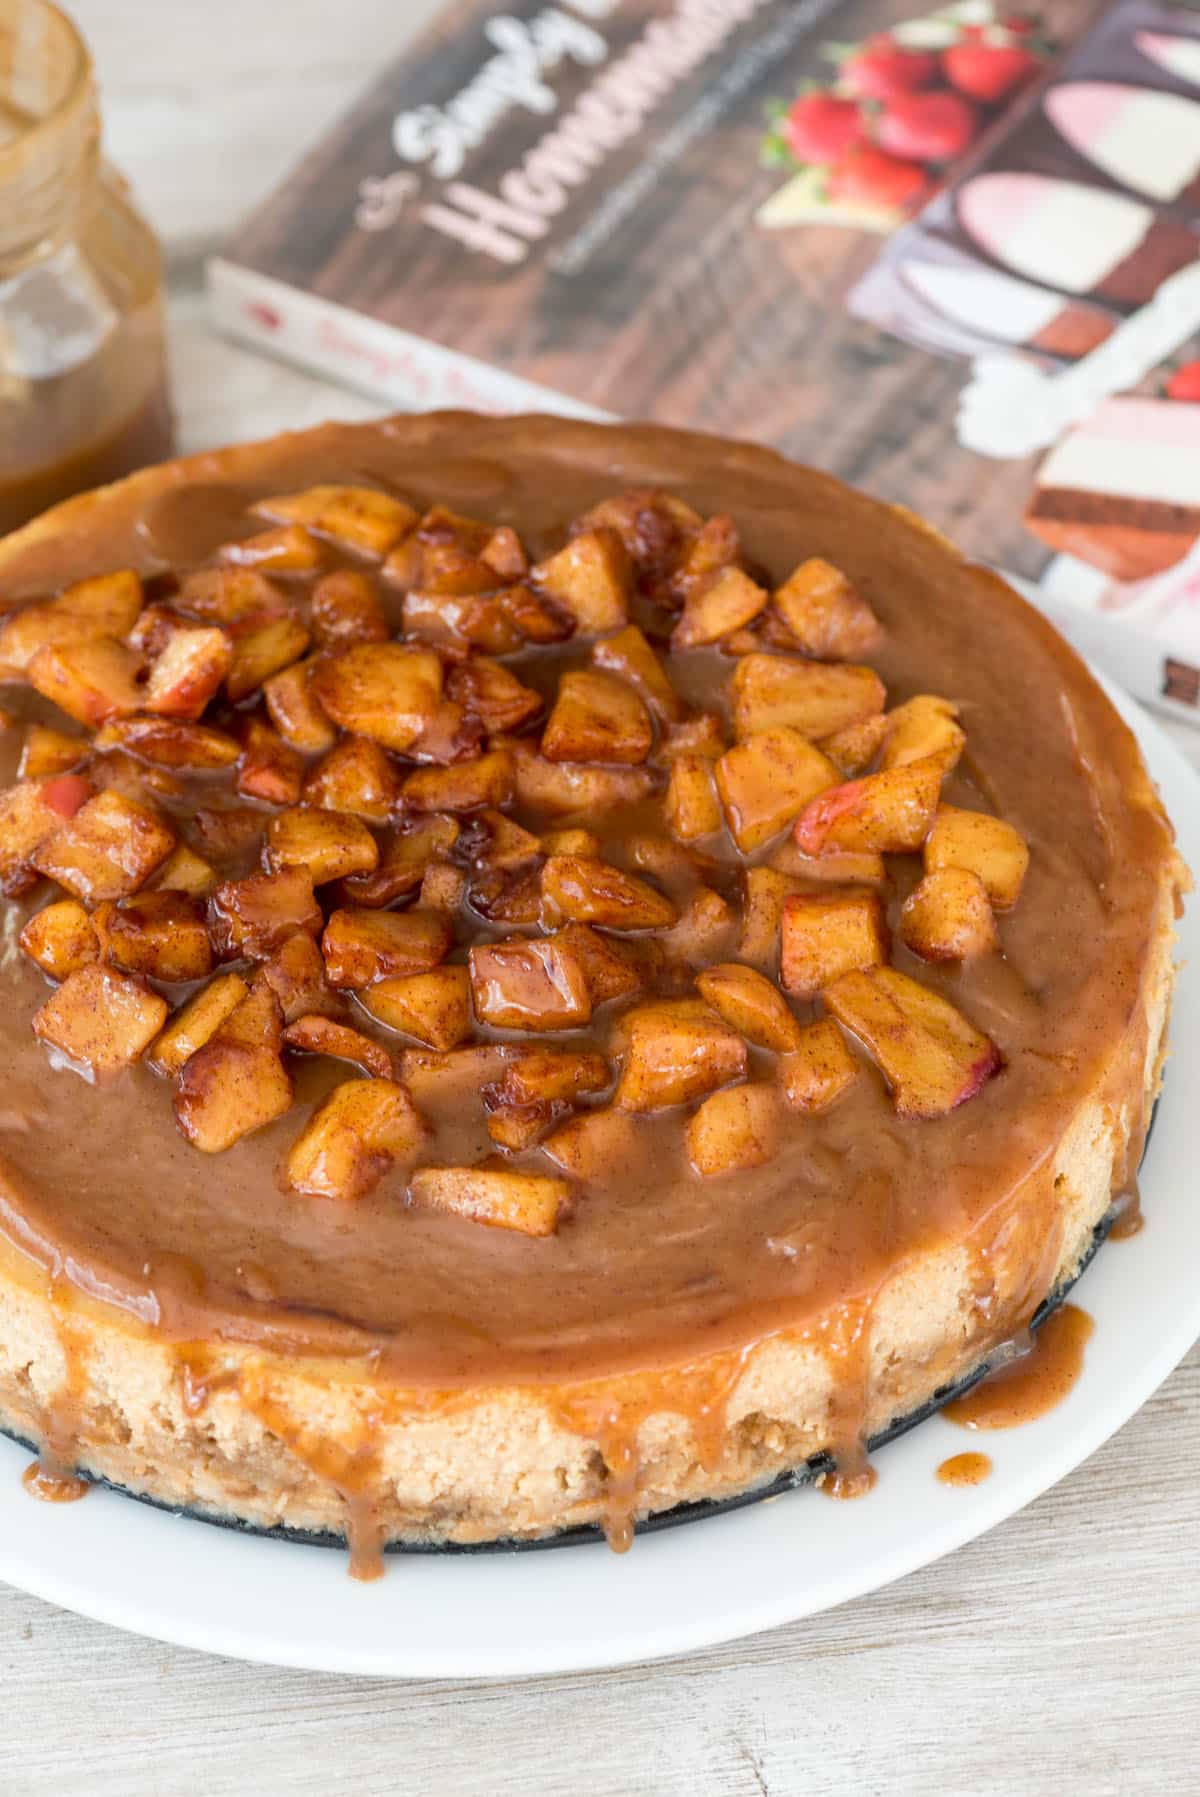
x=574, y=1608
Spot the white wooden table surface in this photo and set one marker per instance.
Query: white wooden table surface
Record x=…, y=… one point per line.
x=1059, y=1654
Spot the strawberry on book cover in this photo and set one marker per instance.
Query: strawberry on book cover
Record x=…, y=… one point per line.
x=953, y=257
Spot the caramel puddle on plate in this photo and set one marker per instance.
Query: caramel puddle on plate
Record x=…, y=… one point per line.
x=1032, y=1384
x=51, y=1487
x=965, y=1469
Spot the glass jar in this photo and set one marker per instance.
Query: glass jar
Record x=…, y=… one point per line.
x=83, y=388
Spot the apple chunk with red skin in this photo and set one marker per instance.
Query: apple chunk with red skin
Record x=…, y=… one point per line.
x=931, y=1056
x=890, y=812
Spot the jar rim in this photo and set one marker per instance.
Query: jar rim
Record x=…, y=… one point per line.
x=77, y=91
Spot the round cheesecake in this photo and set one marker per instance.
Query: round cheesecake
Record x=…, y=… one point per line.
x=551, y=971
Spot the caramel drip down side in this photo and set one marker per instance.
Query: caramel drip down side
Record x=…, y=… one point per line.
x=52, y=1475
x=1032, y=1383
x=845, y=1340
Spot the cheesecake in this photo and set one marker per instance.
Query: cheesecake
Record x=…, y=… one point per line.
x=552, y=972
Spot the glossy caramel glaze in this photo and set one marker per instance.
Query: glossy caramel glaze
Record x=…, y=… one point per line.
x=965, y=1469
x=654, y=1267
x=1033, y=1382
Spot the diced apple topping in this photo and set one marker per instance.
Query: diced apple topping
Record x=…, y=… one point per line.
x=261, y=650
x=629, y=654
x=30, y=813
x=766, y=780
x=107, y=850
x=691, y=805
x=492, y=840
x=590, y=578
x=529, y=1202
x=467, y=786
x=492, y=693
x=652, y=524
x=230, y=595
x=889, y=812
x=571, y=841
x=825, y=613
x=330, y=844
x=597, y=717
x=361, y=518
x=435, y=1007
x=585, y=891
x=930, y=1055
x=703, y=930
x=983, y=845
x=823, y=937
x=295, y=710
x=855, y=746
x=361, y=946
x=100, y=1020
x=46, y=751
x=592, y=1145
x=452, y=734
x=160, y=934
x=318, y=1034
x=295, y=973
x=289, y=549
x=386, y=691
x=717, y=606
x=253, y=916
x=763, y=895
x=403, y=861
x=188, y=673
x=752, y=1005
x=841, y=867
x=701, y=734
x=362, y=1130
x=268, y=769
x=924, y=728
x=90, y=681
x=529, y=985
x=948, y=917
x=184, y=871
x=819, y=1069
x=103, y=605
x=705, y=552
x=676, y=1050
x=811, y=697
x=443, y=888
x=563, y=788
x=168, y=742
x=734, y=1130
x=61, y=938
x=346, y=609
x=355, y=776
x=237, y=1082
x=609, y=969
x=196, y=1022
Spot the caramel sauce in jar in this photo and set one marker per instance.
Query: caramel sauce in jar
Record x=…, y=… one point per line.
x=83, y=390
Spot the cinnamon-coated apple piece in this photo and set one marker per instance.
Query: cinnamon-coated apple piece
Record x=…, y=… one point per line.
x=435, y=1007
x=948, y=917
x=108, y=849
x=490, y=839
x=508, y=898
x=931, y=1056
x=571, y=841
x=628, y=653
x=597, y=717
x=357, y=776
x=197, y=1022
x=287, y=549
x=103, y=605
x=61, y=938
x=347, y=608
x=704, y=553
x=361, y=1131
x=585, y=891
x=854, y=747
x=518, y=1127
x=537, y=618
x=822, y=937
x=252, y=917
x=531, y=1203
x=651, y=523
x=237, y=1082
x=361, y=946
x=478, y=620
x=590, y=579
x=924, y=728
x=814, y=698
x=820, y=1068
x=330, y=844
x=703, y=930
x=546, y=1075
x=443, y=888
x=840, y=867
x=734, y=1130
x=159, y=934
x=386, y=691
x=691, y=806
x=565, y=789
x=678, y=867
x=46, y=751
x=404, y=857
x=716, y=606
x=984, y=845
x=314, y=1033
x=750, y=1004
x=154, y=627
x=91, y=681
x=675, y=1050
x=701, y=734
x=262, y=649
x=100, y=1020
x=359, y=518
x=230, y=595
x=183, y=871
x=488, y=780
x=188, y=672
x=170, y=742
x=888, y=813
x=763, y=894
x=30, y=812
x=766, y=780
x=825, y=612
x=594, y=1144
x=536, y=985
x=452, y=734
x=295, y=973
x=295, y=710
x=609, y=968
x=491, y=692
x=445, y=1080
x=268, y=768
